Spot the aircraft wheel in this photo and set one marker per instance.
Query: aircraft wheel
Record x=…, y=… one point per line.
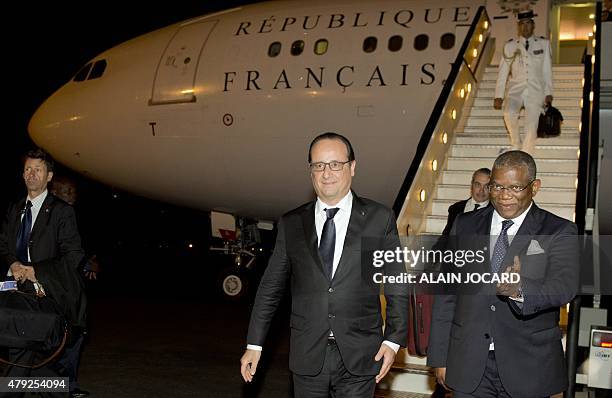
x=234, y=285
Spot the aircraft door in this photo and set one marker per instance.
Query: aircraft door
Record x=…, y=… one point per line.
x=176, y=72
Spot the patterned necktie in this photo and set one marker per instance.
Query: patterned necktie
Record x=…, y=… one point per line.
x=501, y=247
x=476, y=206
x=328, y=242
x=527, y=45
x=23, y=236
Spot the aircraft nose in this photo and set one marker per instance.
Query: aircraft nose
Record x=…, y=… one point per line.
x=53, y=122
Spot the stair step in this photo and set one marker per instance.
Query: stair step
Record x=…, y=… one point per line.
x=541, y=151
x=499, y=130
x=549, y=180
x=483, y=121
x=556, y=68
x=379, y=393
x=557, y=93
x=557, y=84
x=544, y=165
x=545, y=195
x=489, y=111
x=563, y=104
x=502, y=139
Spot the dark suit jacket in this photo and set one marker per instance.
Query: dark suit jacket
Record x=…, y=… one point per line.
x=527, y=340
x=453, y=211
x=55, y=253
x=349, y=304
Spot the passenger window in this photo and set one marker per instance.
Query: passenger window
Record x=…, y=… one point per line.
x=297, y=47
x=320, y=47
x=82, y=74
x=369, y=44
x=447, y=41
x=421, y=42
x=395, y=43
x=98, y=69
x=274, y=49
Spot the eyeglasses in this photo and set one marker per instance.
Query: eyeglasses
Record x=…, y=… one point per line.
x=512, y=189
x=334, y=165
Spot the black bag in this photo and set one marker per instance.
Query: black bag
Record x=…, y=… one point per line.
x=549, y=124
x=30, y=322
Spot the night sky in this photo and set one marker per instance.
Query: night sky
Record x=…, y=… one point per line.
x=46, y=43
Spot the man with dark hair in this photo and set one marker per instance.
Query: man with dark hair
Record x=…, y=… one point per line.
x=40, y=248
x=479, y=198
x=526, y=65
x=337, y=342
x=503, y=340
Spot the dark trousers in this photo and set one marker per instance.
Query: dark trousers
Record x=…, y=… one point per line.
x=490, y=386
x=334, y=380
x=27, y=357
x=68, y=364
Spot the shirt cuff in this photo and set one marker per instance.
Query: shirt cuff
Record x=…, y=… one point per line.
x=519, y=298
x=254, y=347
x=395, y=347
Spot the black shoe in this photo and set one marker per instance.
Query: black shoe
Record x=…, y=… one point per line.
x=78, y=393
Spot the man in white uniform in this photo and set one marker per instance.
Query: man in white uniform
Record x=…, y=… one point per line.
x=526, y=66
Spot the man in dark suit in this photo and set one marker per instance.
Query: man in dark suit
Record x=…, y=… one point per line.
x=40, y=248
x=479, y=198
x=504, y=339
x=337, y=342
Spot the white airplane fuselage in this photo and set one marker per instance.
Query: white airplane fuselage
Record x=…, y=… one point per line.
x=199, y=114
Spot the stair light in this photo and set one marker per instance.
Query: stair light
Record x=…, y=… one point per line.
x=486, y=24
x=422, y=195
x=594, y=28
x=583, y=82
x=573, y=220
x=454, y=114
x=434, y=165
x=578, y=153
x=462, y=93
x=593, y=59
x=475, y=52
x=480, y=38
x=444, y=138
x=469, y=88
x=593, y=43
x=591, y=95
x=580, y=127
x=581, y=103
x=591, y=16
x=576, y=184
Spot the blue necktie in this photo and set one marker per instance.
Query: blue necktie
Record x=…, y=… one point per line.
x=23, y=236
x=328, y=242
x=501, y=247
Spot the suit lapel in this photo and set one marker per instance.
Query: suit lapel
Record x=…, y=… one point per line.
x=354, y=232
x=310, y=232
x=17, y=220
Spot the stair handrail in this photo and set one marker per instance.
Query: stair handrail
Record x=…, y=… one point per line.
x=411, y=204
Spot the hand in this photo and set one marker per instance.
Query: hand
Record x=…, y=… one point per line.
x=497, y=103
x=29, y=273
x=388, y=355
x=248, y=364
x=18, y=271
x=92, y=268
x=511, y=289
x=548, y=100
x=440, y=374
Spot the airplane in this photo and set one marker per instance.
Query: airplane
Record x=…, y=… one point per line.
x=217, y=112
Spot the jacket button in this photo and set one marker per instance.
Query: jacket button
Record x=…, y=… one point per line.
x=487, y=336
x=492, y=308
x=330, y=316
x=331, y=290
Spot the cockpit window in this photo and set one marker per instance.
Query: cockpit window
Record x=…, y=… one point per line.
x=395, y=43
x=82, y=74
x=274, y=49
x=320, y=46
x=297, y=47
x=421, y=42
x=447, y=41
x=369, y=44
x=98, y=69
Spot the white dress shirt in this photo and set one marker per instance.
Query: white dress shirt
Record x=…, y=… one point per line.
x=469, y=206
x=496, y=227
